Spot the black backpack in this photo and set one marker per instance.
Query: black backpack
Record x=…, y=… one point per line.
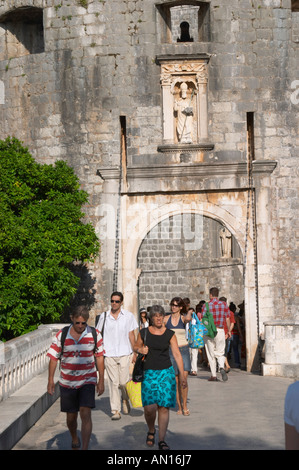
x=64, y=333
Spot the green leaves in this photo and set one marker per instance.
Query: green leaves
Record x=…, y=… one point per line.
x=41, y=234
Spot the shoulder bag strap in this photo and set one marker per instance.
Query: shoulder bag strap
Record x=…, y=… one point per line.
x=102, y=331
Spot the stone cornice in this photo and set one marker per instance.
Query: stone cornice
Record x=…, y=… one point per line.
x=185, y=148
x=182, y=57
x=259, y=167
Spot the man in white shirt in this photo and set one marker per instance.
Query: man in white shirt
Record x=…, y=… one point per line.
x=118, y=330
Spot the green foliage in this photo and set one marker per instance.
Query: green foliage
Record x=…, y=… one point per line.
x=41, y=235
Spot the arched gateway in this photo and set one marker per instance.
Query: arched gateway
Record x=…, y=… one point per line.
x=141, y=214
x=185, y=255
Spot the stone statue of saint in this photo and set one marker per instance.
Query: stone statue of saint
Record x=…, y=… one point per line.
x=184, y=116
x=225, y=243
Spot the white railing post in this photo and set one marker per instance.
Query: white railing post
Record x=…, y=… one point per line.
x=25, y=357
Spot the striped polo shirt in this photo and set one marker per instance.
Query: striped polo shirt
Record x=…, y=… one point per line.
x=77, y=362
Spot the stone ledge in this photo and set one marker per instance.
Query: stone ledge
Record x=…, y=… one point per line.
x=185, y=148
x=281, y=370
x=281, y=348
x=23, y=409
x=182, y=57
x=261, y=167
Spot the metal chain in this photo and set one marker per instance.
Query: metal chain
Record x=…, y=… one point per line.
x=251, y=208
x=117, y=231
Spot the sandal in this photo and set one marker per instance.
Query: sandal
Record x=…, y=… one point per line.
x=150, y=441
x=186, y=412
x=163, y=446
x=76, y=446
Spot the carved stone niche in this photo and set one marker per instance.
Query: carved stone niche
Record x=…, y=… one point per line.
x=184, y=81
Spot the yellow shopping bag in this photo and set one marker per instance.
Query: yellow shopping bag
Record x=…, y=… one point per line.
x=134, y=393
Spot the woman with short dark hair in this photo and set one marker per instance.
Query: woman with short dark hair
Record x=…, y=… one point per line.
x=158, y=389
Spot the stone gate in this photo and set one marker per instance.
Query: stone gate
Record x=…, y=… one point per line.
x=166, y=109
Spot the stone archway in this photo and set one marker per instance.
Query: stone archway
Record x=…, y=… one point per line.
x=185, y=255
x=140, y=214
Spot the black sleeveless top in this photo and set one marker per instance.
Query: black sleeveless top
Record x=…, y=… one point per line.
x=158, y=349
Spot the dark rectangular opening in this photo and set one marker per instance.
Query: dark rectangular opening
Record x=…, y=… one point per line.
x=250, y=135
x=295, y=5
x=123, y=146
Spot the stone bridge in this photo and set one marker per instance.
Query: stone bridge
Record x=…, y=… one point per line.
x=23, y=376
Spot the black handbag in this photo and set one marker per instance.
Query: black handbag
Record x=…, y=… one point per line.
x=138, y=371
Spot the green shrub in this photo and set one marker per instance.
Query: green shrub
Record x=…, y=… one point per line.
x=41, y=235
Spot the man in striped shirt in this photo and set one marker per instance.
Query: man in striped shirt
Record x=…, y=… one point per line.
x=215, y=347
x=80, y=360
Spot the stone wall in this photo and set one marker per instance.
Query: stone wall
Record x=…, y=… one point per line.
x=281, y=349
x=98, y=79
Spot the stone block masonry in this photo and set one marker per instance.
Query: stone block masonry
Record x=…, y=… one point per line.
x=87, y=89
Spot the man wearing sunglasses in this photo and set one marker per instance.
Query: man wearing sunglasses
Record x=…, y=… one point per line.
x=80, y=360
x=118, y=327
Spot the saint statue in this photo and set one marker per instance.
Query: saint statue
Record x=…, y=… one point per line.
x=184, y=116
x=225, y=243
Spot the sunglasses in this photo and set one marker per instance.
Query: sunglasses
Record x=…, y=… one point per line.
x=80, y=323
x=174, y=305
x=115, y=301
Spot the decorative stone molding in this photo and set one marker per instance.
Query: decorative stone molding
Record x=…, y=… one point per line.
x=185, y=148
x=183, y=170
x=184, y=80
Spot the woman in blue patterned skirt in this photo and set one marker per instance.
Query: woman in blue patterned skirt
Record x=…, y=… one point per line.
x=158, y=388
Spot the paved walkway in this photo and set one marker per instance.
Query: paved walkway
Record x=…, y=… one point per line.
x=244, y=413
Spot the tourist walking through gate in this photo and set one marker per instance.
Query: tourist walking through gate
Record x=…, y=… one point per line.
x=228, y=338
x=118, y=328
x=177, y=322
x=215, y=347
x=237, y=340
x=143, y=318
x=78, y=351
x=158, y=388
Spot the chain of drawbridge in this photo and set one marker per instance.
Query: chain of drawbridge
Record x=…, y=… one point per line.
x=117, y=232
x=251, y=204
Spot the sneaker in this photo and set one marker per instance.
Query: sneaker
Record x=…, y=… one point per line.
x=223, y=375
x=116, y=416
x=126, y=407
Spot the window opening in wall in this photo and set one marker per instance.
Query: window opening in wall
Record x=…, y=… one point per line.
x=123, y=149
x=250, y=135
x=185, y=34
x=23, y=32
x=184, y=21
x=123, y=137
